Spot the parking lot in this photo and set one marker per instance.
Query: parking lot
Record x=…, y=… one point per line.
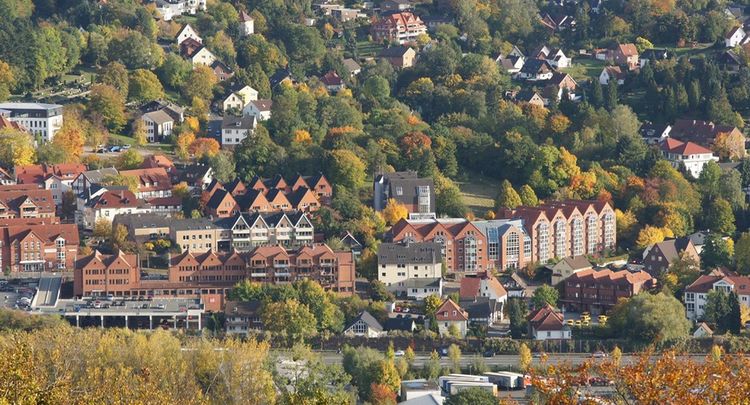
x=16, y=295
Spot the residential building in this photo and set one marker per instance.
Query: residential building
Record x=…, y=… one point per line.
x=38, y=247
x=235, y=129
x=395, y=5
x=696, y=294
x=558, y=21
x=6, y=123
x=196, y=235
x=41, y=120
x=26, y=201
x=221, y=70
x=400, y=323
x=399, y=28
x=159, y=160
x=241, y=318
x=702, y=331
x=400, y=57
x=144, y=227
x=558, y=229
x=416, y=193
x=450, y=316
x=158, y=125
x=398, y=263
x=221, y=205
x=735, y=37
x=109, y=203
x=196, y=52
x=654, y=55
x=658, y=257
x=558, y=85
x=687, y=156
x=729, y=61
x=332, y=81
x=260, y=109
x=197, y=176
x=511, y=64
x=508, y=243
x=597, y=291
x=536, y=70
x=654, y=134
x=482, y=285
x=38, y=174
x=626, y=55
x=352, y=67
x=418, y=289
x=281, y=75
x=482, y=311
x=169, y=9
x=463, y=244
x=173, y=110
x=546, y=323
x=238, y=98
x=705, y=134
x=364, y=325
x=187, y=32
x=247, y=24
x=612, y=73
x=567, y=267
x=529, y=97
x=152, y=183
x=554, y=56
x=6, y=178
x=246, y=231
x=101, y=274
x=86, y=180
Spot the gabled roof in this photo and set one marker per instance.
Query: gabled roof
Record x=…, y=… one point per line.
x=536, y=66
x=627, y=49
x=405, y=324
x=672, y=248
x=546, y=318
x=733, y=31
x=576, y=263
x=368, y=319
x=450, y=311
x=331, y=79
x=245, y=17
x=394, y=52
x=159, y=117
x=672, y=145
x=262, y=104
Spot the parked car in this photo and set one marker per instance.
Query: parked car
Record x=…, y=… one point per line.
x=399, y=353
x=598, y=355
x=489, y=353
x=115, y=148
x=125, y=147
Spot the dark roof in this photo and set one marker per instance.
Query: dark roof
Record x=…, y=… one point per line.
x=409, y=253
x=656, y=54
x=217, y=198
x=479, y=307
x=244, y=122
x=405, y=323
x=368, y=319
x=279, y=76
x=394, y=52
x=672, y=248
x=534, y=66
x=526, y=95
x=699, y=238
x=245, y=309
x=136, y=221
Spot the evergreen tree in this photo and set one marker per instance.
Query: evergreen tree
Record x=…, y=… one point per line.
x=611, y=100
x=507, y=197
x=733, y=322
x=517, y=316
x=528, y=196
x=597, y=95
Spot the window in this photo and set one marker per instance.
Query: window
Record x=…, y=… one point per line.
x=577, y=237
x=560, y=238
x=543, y=237
x=591, y=233
x=399, y=190
x=609, y=230
x=512, y=250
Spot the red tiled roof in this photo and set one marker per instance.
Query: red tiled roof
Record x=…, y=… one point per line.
x=331, y=79
x=450, y=311
x=546, y=318
x=628, y=49
x=607, y=275
x=38, y=173
x=706, y=282
x=116, y=199
x=672, y=145
x=152, y=179
x=5, y=123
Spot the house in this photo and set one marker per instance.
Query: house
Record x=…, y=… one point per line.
x=352, y=67
x=558, y=84
x=420, y=288
x=400, y=57
x=735, y=37
x=364, y=325
x=158, y=125
x=235, y=129
x=529, y=97
x=152, y=183
x=83, y=183
x=168, y=9
x=39, y=246
x=597, y=291
x=332, y=81
x=687, y=155
x=658, y=257
x=187, y=32
x=159, y=160
x=482, y=285
x=401, y=28
x=435, y=20
x=261, y=109
x=567, y=267
x=41, y=120
x=557, y=59
x=482, y=310
x=6, y=123
x=56, y=178
x=654, y=55
x=702, y=331
x=451, y=317
x=696, y=294
x=350, y=242
x=245, y=231
x=699, y=239
x=196, y=53
x=6, y=178
x=247, y=24
x=558, y=22
x=654, y=134
x=344, y=15
x=176, y=112
x=238, y=98
x=196, y=175
x=221, y=70
x=535, y=70
x=110, y=203
x=612, y=73
x=241, y=318
x=281, y=75
x=416, y=193
x=626, y=55
x=729, y=61
x=400, y=323
x=395, y=5
x=706, y=133
x=26, y=201
x=398, y=263
x=221, y=205
x=101, y=274
x=511, y=64
x=546, y=323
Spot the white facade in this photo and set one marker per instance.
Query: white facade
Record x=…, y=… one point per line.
x=252, y=109
x=188, y=32
x=41, y=120
x=604, y=78
x=58, y=187
x=734, y=38
x=91, y=215
x=444, y=327
x=239, y=99
x=234, y=136
x=247, y=27
x=693, y=163
x=203, y=57
x=551, y=334
x=695, y=302
x=157, y=128
x=169, y=9
x=396, y=275
x=558, y=60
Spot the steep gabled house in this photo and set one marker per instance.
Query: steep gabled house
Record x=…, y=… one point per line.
x=364, y=325
x=658, y=257
x=451, y=316
x=221, y=205
x=535, y=70
x=546, y=323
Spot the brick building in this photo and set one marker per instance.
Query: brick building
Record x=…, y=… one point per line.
x=100, y=274
x=597, y=291
x=398, y=28
x=38, y=246
x=26, y=201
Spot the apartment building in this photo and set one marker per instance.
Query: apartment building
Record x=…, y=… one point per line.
x=195, y=235
x=41, y=120
x=109, y=203
x=400, y=265
x=152, y=182
x=658, y=257
x=83, y=183
x=56, y=178
x=242, y=317
x=247, y=231
x=144, y=227
x=597, y=291
x=26, y=201
x=399, y=28
x=101, y=274
x=416, y=193
x=696, y=294
x=463, y=245
x=38, y=246
x=562, y=229
x=687, y=156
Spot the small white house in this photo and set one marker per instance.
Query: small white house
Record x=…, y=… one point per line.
x=235, y=129
x=188, y=32
x=237, y=100
x=546, y=323
x=247, y=24
x=735, y=37
x=158, y=124
x=611, y=73
x=365, y=325
x=261, y=109
x=557, y=59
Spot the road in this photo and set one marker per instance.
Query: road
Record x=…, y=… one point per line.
x=49, y=287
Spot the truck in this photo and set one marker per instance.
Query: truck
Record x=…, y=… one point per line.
x=506, y=380
x=445, y=381
x=455, y=387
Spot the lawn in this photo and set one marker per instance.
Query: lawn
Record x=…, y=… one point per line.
x=584, y=68
x=366, y=48
x=479, y=193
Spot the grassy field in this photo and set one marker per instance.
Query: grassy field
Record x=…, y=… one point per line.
x=366, y=48
x=584, y=68
x=479, y=193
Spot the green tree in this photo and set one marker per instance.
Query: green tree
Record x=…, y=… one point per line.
x=200, y=83
x=612, y=98
x=432, y=367
x=742, y=254
x=716, y=309
x=517, y=314
x=597, y=94
x=223, y=165
x=507, y=197
x=545, y=295
x=347, y=169
x=258, y=155
x=135, y=51
x=115, y=74
x=144, y=86
x=130, y=159
x=108, y=103
x=454, y=354
x=528, y=196
x=715, y=253
x=289, y=319
x=649, y=318
x=720, y=217
x=174, y=71
x=733, y=319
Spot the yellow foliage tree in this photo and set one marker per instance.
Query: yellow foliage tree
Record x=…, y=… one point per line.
x=524, y=357
x=302, y=136
x=182, y=148
x=204, y=147
x=16, y=148
x=730, y=145
x=394, y=211
x=193, y=124
x=650, y=235
x=139, y=133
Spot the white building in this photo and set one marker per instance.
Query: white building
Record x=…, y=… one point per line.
x=260, y=109
x=546, y=323
x=158, y=124
x=247, y=24
x=168, y=9
x=238, y=99
x=451, y=316
x=399, y=265
x=735, y=37
x=611, y=73
x=236, y=129
x=365, y=325
x=188, y=32
x=107, y=203
x=688, y=155
x=696, y=294
x=41, y=120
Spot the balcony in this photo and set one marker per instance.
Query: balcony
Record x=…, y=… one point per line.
x=257, y=274
x=280, y=265
x=327, y=264
x=282, y=274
